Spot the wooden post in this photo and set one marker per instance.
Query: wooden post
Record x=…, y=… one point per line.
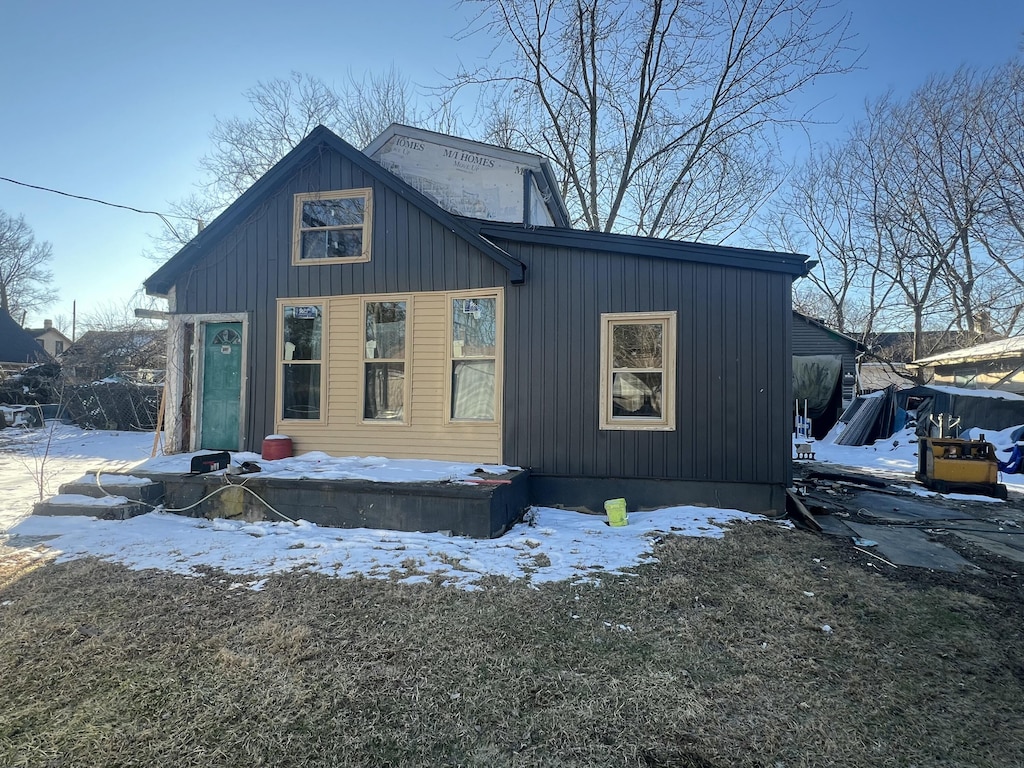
x=159, y=420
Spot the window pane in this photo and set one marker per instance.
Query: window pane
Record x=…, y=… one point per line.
x=636, y=345
x=473, y=389
x=385, y=391
x=303, y=331
x=345, y=211
x=385, y=329
x=474, y=327
x=301, y=395
x=332, y=244
x=637, y=395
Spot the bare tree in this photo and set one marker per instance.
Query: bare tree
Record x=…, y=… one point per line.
x=25, y=282
x=1002, y=233
x=283, y=111
x=913, y=215
x=817, y=213
x=660, y=115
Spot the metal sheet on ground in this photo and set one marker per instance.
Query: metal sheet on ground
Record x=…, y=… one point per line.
x=833, y=526
x=909, y=546
x=885, y=506
x=1003, y=544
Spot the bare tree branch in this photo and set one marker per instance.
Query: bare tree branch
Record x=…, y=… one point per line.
x=659, y=114
x=25, y=281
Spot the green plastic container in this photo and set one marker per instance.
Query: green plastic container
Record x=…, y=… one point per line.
x=616, y=509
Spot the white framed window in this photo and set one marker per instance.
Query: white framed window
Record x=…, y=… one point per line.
x=474, y=324
x=332, y=226
x=638, y=368
x=966, y=378
x=385, y=370
x=301, y=344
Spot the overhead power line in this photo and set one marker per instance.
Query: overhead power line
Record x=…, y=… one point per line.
x=163, y=216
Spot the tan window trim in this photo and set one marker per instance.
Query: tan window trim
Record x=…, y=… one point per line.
x=667, y=422
x=499, y=352
x=319, y=301
x=406, y=419
x=366, y=228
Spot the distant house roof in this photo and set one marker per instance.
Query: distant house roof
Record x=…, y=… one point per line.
x=876, y=376
x=161, y=281
x=993, y=350
x=37, y=332
x=17, y=344
x=118, y=344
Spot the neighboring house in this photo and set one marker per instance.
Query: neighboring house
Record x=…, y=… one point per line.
x=335, y=303
x=136, y=354
x=17, y=347
x=49, y=338
x=824, y=371
x=993, y=365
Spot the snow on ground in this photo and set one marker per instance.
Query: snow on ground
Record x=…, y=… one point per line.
x=554, y=545
x=551, y=545
x=30, y=458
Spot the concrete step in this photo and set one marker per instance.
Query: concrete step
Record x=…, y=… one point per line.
x=106, y=508
x=134, y=488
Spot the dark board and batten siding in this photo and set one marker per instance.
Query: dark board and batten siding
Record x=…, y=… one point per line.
x=733, y=376
x=250, y=268
x=809, y=338
x=733, y=335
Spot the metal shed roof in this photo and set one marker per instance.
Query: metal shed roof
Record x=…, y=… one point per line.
x=991, y=350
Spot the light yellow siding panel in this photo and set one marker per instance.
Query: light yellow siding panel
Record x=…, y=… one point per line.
x=427, y=434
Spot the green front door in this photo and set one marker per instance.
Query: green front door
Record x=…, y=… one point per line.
x=222, y=386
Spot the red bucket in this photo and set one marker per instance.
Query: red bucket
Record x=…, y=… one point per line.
x=277, y=447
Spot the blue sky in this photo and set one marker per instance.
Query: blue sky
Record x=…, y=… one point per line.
x=115, y=100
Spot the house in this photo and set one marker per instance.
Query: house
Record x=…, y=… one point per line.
x=135, y=354
x=992, y=365
x=824, y=371
x=50, y=338
x=335, y=303
x=17, y=347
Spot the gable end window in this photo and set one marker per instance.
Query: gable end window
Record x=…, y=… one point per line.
x=638, y=371
x=332, y=226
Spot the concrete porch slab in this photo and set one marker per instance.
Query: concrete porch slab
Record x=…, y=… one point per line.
x=480, y=509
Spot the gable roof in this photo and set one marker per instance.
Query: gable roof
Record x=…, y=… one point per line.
x=161, y=281
x=836, y=334
x=650, y=247
x=35, y=333
x=17, y=344
x=993, y=350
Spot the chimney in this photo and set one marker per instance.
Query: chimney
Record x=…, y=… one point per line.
x=47, y=325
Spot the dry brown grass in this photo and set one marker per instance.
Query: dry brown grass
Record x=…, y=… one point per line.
x=712, y=657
